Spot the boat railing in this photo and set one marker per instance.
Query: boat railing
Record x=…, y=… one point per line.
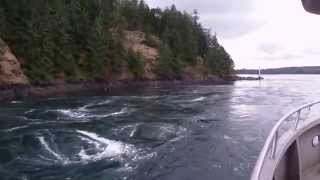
x=270, y=146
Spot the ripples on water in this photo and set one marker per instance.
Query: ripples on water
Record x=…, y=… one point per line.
x=185, y=132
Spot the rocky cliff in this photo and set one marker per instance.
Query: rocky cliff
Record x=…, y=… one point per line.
x=140, y=43
x=11, y=72
x=10, y=68
x=136, y=41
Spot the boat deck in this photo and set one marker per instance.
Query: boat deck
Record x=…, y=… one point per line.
x=312, y=173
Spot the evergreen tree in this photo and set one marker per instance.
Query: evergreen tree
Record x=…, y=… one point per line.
x=169, y=67
x=84, y=40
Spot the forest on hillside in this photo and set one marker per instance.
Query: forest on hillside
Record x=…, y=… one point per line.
x=82, y=39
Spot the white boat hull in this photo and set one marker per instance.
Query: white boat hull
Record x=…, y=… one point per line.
x=293, y=156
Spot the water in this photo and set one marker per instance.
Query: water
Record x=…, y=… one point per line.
x=148, y=133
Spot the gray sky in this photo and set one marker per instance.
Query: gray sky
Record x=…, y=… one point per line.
x=265, y=33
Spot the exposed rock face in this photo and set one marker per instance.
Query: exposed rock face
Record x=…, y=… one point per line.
x=10, y=69
x=135, y=40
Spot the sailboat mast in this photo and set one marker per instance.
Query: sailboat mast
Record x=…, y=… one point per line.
x=259, y=73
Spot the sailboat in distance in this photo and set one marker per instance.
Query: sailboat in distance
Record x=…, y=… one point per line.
x=259, y=74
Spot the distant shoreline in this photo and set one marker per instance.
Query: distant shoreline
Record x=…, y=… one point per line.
x=286, y=70
x=274, y=74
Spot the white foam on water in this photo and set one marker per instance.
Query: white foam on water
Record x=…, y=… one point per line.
x=106, y=148
x=45, y=158
x=149, y=97
x=28, y=119
x=227, y=137
x=198, y=99
x=178, y=138
x=16, y=102
x=85, y=107
x=104, y=102
x=244, y=116
x=29, y=111
x=84, y=156
x=16, y=128
x=217, y=166
x=56, y=155
x=122, y=111
x=100, y=148
x=134, y=130
x=71, y=113
x=144, y=156
x=80, y=114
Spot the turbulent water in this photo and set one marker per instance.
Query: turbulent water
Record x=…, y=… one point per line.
x=148, y=133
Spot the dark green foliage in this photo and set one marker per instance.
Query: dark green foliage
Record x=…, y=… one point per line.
x=135, y=63
x=2, y=46
x=51, y=36
x=169, y=66
x=2, y=20
x=219, y=61
x=82, y=39
x=151, y=41
x=182, y=36
x=115, y=53
x=97, y=47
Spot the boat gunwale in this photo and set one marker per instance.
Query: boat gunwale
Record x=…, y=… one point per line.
x=271, y=142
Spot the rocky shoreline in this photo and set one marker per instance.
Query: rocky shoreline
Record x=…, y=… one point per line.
x=22, y=92
x=15, y=85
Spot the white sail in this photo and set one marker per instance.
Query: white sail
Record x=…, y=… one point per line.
x=259, y=73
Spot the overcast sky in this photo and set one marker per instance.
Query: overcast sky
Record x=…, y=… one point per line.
x=265, y=33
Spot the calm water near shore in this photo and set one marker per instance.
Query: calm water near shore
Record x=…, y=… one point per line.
x=149, y=133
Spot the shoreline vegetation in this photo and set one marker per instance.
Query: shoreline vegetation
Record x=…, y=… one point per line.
x=57, y=47
x=22, y=92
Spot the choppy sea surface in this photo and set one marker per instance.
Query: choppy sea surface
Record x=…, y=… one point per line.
x=148, y=133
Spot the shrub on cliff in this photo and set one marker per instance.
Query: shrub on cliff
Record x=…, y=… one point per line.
x=151, y=41
x=135, y=63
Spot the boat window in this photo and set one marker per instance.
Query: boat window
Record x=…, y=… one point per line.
x=315, y=141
